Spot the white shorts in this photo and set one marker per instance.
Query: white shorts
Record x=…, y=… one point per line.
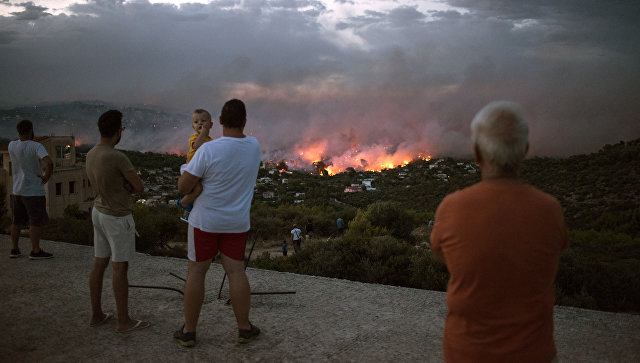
x=113, y=236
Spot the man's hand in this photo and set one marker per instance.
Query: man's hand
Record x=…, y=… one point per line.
x=128, y=187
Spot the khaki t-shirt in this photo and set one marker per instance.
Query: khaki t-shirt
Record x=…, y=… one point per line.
x=105, y=169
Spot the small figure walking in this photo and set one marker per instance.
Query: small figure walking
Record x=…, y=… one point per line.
x=340, y=225
x=284, y=248
x=296, y=236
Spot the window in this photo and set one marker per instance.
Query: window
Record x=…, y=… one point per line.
x=63, y=152
x=58, y=188
x=72, y=187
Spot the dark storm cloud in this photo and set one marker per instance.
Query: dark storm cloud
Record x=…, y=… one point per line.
x=31, y=12
x=397, y=79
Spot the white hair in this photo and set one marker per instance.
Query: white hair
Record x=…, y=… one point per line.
x=501, y=134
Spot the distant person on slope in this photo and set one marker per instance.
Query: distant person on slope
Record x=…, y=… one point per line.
x=28, y=201
x=201, y=124
x=227, y=167
x=340, y=225
x=113, y=178
x=501, y=241
x=296, y=237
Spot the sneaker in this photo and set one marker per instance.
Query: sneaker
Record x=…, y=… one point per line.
x=15, y=253
x=184, y=218
x=247, y=335
x=187, y=207
x=185, y=339
x=40, y=255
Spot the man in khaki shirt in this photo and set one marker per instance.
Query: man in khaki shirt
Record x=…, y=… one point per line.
x=113, y=178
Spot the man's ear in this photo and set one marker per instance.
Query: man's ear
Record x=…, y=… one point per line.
x=477, y=155
x=220, y=118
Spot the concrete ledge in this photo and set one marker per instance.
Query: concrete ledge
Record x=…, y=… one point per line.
x=44, y=312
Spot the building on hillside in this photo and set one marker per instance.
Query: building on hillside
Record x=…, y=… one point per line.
x=353, y=189
x=68, y=184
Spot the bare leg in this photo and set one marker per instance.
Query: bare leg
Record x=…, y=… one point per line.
x=190, y=197
x=239, y=290
x=194, y=293
x=34, y=234
x=95, y=288
x=121, y=292
x=15, y=236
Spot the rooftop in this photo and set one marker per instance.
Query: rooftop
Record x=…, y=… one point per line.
x=44, y=313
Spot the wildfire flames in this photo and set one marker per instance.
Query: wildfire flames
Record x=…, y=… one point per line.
x=371, y=158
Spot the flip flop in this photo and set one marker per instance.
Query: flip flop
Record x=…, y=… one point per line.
x=139, y=326
x=107, y=316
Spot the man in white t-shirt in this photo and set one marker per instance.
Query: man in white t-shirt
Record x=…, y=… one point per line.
x=28, y=201
x=296, y=237
x=219, y=222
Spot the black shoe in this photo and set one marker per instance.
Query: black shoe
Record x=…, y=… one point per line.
x=15, y=253
x=40, y=255
x=185, y=339
x=247, y=335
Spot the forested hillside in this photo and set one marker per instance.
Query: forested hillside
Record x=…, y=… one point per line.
x=387, y=215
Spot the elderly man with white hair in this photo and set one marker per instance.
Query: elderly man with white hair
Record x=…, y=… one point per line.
x=501, y=241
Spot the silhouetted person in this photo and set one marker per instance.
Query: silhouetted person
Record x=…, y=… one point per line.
x=309, y=228
x=501, y=241
x=113, y=179
x=28, y=201
x=227, y=167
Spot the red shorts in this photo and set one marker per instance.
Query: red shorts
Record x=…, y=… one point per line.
x=204, y=246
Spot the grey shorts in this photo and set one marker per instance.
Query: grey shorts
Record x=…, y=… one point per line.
x=29, y=209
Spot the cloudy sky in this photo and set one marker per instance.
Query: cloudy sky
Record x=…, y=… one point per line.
x=353, y=80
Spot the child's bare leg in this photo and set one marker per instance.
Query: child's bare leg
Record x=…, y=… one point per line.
x=190, y=197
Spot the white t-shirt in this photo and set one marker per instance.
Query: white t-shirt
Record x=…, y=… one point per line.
x=27, y=169
x=228, y=168
x=296, y=232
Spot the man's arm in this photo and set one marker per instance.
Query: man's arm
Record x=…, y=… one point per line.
x=48, y=169
x=134, y=181
x=187, y=182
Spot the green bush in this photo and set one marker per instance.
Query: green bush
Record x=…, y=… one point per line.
x=600, y=271
x=74, y=211
x=156, y=226
x=383, y=218
x=381, y=259
x=66, y=229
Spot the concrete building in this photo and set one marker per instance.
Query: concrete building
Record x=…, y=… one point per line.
x=68, y=184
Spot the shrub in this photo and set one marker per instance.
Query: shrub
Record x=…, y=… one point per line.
x=381, y=259
x=74, y=211
x=156, y=226
x=66, y=229
x=600, y=271
x=383, y=218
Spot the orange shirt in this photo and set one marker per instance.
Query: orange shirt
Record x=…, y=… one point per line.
x=501, y=243
x=192, y=151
